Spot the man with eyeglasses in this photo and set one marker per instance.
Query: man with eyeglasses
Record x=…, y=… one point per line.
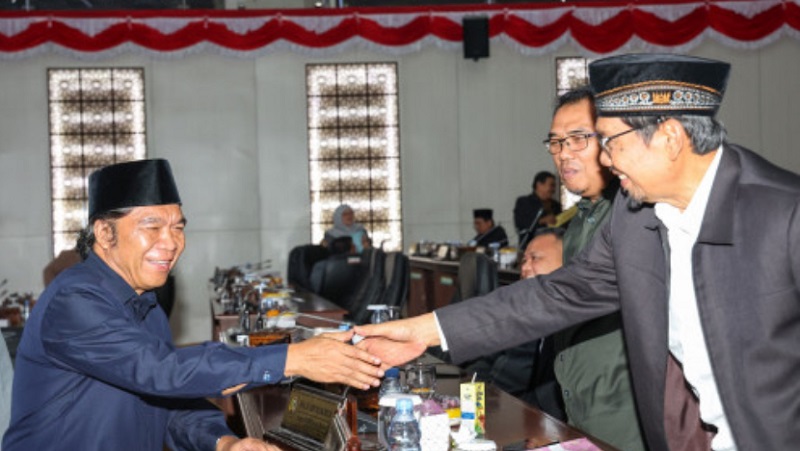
x=590, y=363
x=701, y=255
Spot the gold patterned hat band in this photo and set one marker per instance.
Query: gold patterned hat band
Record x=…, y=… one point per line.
x=659, y=96
x=658, y=84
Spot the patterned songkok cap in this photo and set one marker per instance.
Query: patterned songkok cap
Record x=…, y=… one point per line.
x=657, y=85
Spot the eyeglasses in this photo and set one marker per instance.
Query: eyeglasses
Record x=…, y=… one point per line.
x=574, y=142
x=605, y=140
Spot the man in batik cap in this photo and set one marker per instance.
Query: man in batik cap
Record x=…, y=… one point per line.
x=96, y=368
x=701, y=254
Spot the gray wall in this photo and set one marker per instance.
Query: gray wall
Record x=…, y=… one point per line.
x=234, y=131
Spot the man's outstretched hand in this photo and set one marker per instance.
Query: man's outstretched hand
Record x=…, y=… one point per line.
x=331, y=358
x=398, y=342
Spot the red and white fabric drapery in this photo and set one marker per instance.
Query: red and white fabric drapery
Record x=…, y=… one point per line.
x=594, y=27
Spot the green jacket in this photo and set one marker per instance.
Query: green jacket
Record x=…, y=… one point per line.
x=591, y=365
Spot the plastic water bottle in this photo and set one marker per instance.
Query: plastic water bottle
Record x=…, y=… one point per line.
x=380, y=313
x=391, y=382
x=404, y=432
x=389, y=386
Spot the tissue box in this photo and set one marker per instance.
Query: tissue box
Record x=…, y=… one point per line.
x=435, y=432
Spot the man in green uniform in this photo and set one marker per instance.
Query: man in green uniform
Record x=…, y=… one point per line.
x=590, y=361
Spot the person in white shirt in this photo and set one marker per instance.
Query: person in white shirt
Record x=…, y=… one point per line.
x=701, y=255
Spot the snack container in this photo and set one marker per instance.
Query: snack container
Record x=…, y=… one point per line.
x=473, y=406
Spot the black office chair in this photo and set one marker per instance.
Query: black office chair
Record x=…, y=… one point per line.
x=477, y=276
x=371, y=287
x=341, y=245
x=337, y=277
x=301, y=260
x=397, y=280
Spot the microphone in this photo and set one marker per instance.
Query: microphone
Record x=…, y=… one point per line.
x=523, y=242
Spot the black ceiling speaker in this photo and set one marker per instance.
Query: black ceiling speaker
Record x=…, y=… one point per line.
x=476, y=37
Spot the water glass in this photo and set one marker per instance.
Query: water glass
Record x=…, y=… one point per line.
x=421, y=379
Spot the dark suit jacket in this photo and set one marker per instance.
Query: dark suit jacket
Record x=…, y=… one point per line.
x=747, y=281
x=496, y=234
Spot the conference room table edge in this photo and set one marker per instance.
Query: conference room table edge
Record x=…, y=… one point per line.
x=509, y=420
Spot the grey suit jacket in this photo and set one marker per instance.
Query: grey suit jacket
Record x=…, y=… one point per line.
x=747, y=281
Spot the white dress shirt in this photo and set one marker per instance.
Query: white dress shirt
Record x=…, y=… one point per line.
x=686, y=340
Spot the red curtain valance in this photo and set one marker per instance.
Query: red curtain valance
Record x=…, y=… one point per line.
x=596, y=28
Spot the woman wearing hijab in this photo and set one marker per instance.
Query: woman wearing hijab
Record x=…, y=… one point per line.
x=345, y=225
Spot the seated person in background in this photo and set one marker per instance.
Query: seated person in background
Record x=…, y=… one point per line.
x=345, y=225
x=538, y=209
x=543, y=254
x=512, y=369
x=488, y=232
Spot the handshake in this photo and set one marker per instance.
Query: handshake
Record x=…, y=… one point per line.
x=398, y=342
x=330, y=358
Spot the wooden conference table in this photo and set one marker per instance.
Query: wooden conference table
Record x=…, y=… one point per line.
x=508, y=420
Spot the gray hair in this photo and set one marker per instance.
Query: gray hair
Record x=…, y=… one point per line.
x=706, y=133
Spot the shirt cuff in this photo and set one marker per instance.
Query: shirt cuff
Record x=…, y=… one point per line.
x=442, y=338
x=268, y=363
